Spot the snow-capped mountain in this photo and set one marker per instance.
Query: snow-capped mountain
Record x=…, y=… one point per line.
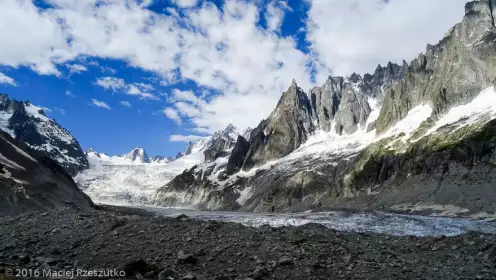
x=161, y=159
x=137, y=155
x=29, y=124
x=412, y=137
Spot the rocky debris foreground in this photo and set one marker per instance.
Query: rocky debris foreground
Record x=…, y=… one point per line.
x=148, y=247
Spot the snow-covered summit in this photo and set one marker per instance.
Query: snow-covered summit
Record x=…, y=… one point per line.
x=230, y=133
x=137, y=155
x=29, y=123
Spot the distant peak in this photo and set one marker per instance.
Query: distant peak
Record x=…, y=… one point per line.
x=294, y=84
x=354, y=78
x=137, y=154
x=230, y=127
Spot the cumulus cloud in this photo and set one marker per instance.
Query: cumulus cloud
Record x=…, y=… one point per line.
x=125, y=104
x=69, y=93
x=4, y=79
x=184, y=138
x=356, y=36
x=224, y=51
x=119, y=85
x=100, y=104
x=76, y=68
x=172, y=114
x=136, y=90
x=111, y=83
x=185, y=3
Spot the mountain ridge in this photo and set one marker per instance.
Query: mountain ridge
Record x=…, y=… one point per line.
x=353, y=141
x=29, y=124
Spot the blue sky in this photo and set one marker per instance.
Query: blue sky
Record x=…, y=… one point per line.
x=155, y=74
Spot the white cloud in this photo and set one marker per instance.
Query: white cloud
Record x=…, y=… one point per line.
x=4, y=79
x=69, y=93
x=109, y=70
x=356, y=36
x=59, y=110
x=274, y=14
x=76, y=68
x=172, y=114
x=223, y=50
x=187, y=109
x=125, y=104
x=184, y=138
x=100, y=104
x=136, y=89
x=111, y=83
x=185, y=3
x=186, y=95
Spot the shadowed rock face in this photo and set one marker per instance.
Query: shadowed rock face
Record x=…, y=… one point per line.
x=450, y=72
x=238, y=155
x=220, y=143
x=30, y=181
x=287, y=127
x=44, y=135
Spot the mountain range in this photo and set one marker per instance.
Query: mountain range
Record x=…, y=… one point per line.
x=411, y=137
x=415, y=137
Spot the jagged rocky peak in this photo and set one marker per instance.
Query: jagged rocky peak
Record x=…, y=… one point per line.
x=376, y=84
x=92, y=153
x=28, y=123
x=287, y=127
x=481, y=8
x=230, y=132
x=220, y=143
x=137, y=154
x=344, y=101
x=431, y=77
x=161, y=159
x=189, y=148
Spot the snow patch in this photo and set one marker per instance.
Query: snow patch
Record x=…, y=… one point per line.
x=244, y=195
x=4, y=123
x=35, y=111
x=482, y=106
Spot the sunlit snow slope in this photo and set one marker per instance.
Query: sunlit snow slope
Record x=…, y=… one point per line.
x=121, y=180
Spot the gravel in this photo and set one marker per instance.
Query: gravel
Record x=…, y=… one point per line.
x=149, y=247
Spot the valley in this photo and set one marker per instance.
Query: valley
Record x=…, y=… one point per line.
x=383, y=175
